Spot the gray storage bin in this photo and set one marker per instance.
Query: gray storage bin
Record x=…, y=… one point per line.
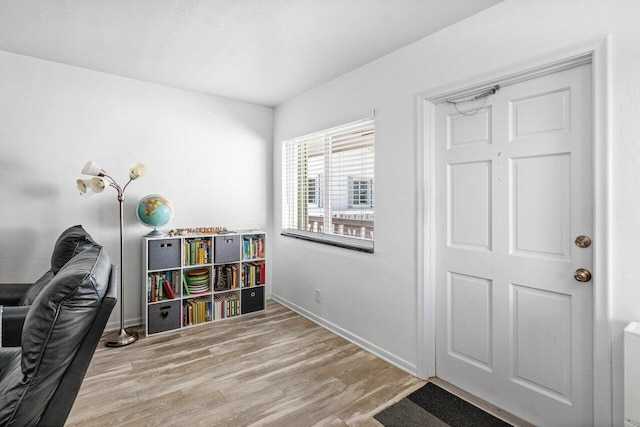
x=164, y=254
x=227, y=248
x=252, y=300
x=164, y=316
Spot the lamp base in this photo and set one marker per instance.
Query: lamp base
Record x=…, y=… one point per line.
x=120, y=339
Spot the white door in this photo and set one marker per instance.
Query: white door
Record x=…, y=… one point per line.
x=513, y=191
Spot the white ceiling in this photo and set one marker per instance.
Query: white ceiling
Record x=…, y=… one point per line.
x=260, y=51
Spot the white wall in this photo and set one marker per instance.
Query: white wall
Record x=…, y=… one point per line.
x=371, y=298
x=210, y=156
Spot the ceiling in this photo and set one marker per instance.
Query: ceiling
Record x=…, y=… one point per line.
x=259, y=51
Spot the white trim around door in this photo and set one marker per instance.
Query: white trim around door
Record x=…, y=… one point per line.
x=597, y=52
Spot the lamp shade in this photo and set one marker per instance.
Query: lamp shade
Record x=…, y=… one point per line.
x=83, y=185
x=92, y=169
x=97, y=185
x=137, y=170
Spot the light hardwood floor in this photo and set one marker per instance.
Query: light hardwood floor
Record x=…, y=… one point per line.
x=272, y=368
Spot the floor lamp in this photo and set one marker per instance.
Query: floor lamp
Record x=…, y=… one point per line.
x=97, y=184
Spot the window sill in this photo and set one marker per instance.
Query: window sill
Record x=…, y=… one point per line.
x=338, y=241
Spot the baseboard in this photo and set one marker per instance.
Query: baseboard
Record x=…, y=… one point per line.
x=115, y=324
x=360, y=342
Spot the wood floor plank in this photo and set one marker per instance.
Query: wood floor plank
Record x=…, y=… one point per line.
x=330, y=421
x=270, y=368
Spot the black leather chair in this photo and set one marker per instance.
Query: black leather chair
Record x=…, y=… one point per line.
x=16, y=297
x=40, y=380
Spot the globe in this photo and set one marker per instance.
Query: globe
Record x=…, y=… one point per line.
x=154, y=211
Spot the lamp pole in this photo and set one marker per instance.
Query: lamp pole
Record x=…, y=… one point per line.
x=124, y=337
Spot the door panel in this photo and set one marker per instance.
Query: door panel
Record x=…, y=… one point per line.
x=540, y=204
x=513, y=191
x=539, y=115
x=470, y=211
x=542, y=341
x=470, y=319
x=470, y=130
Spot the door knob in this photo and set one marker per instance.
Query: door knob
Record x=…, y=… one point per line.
x=583, y=241
x=582, y=275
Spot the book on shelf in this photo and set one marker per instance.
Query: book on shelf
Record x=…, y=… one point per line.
x=234, y=277
x=227, y=305
x=184, y=285
x=229, y=275
x=196, y=311
x=253, y=274
x=197, y=251
x=162, y=285
x=167, y=288
x=253, y=247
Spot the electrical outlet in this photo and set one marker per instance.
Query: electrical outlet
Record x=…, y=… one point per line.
x=318, y=296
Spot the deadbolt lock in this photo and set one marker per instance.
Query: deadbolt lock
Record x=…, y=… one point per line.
x=583, y=241
x=582, y=275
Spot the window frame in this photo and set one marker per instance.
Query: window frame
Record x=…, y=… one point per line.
x=349, y=225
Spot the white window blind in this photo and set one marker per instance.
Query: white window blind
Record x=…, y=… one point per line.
x=328, y=186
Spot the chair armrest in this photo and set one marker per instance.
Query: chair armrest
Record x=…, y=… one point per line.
x=12, y=323
x=11, y=293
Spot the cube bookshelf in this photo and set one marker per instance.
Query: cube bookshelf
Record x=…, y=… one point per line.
x=198, y=279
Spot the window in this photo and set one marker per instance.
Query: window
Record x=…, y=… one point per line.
x=328, y=186
x=360, y=192
x=313, y=196
x=315, y=187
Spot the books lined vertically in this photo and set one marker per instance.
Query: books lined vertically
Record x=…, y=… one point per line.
x=253, y=274
x=197, y=251
x=252, y=247
x=163, y=285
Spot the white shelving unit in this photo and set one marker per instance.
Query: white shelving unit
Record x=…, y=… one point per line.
x=198, y=279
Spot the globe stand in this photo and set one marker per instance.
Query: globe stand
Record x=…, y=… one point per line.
x=155, y=233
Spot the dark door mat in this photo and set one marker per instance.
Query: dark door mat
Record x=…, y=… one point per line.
x=432, y=406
